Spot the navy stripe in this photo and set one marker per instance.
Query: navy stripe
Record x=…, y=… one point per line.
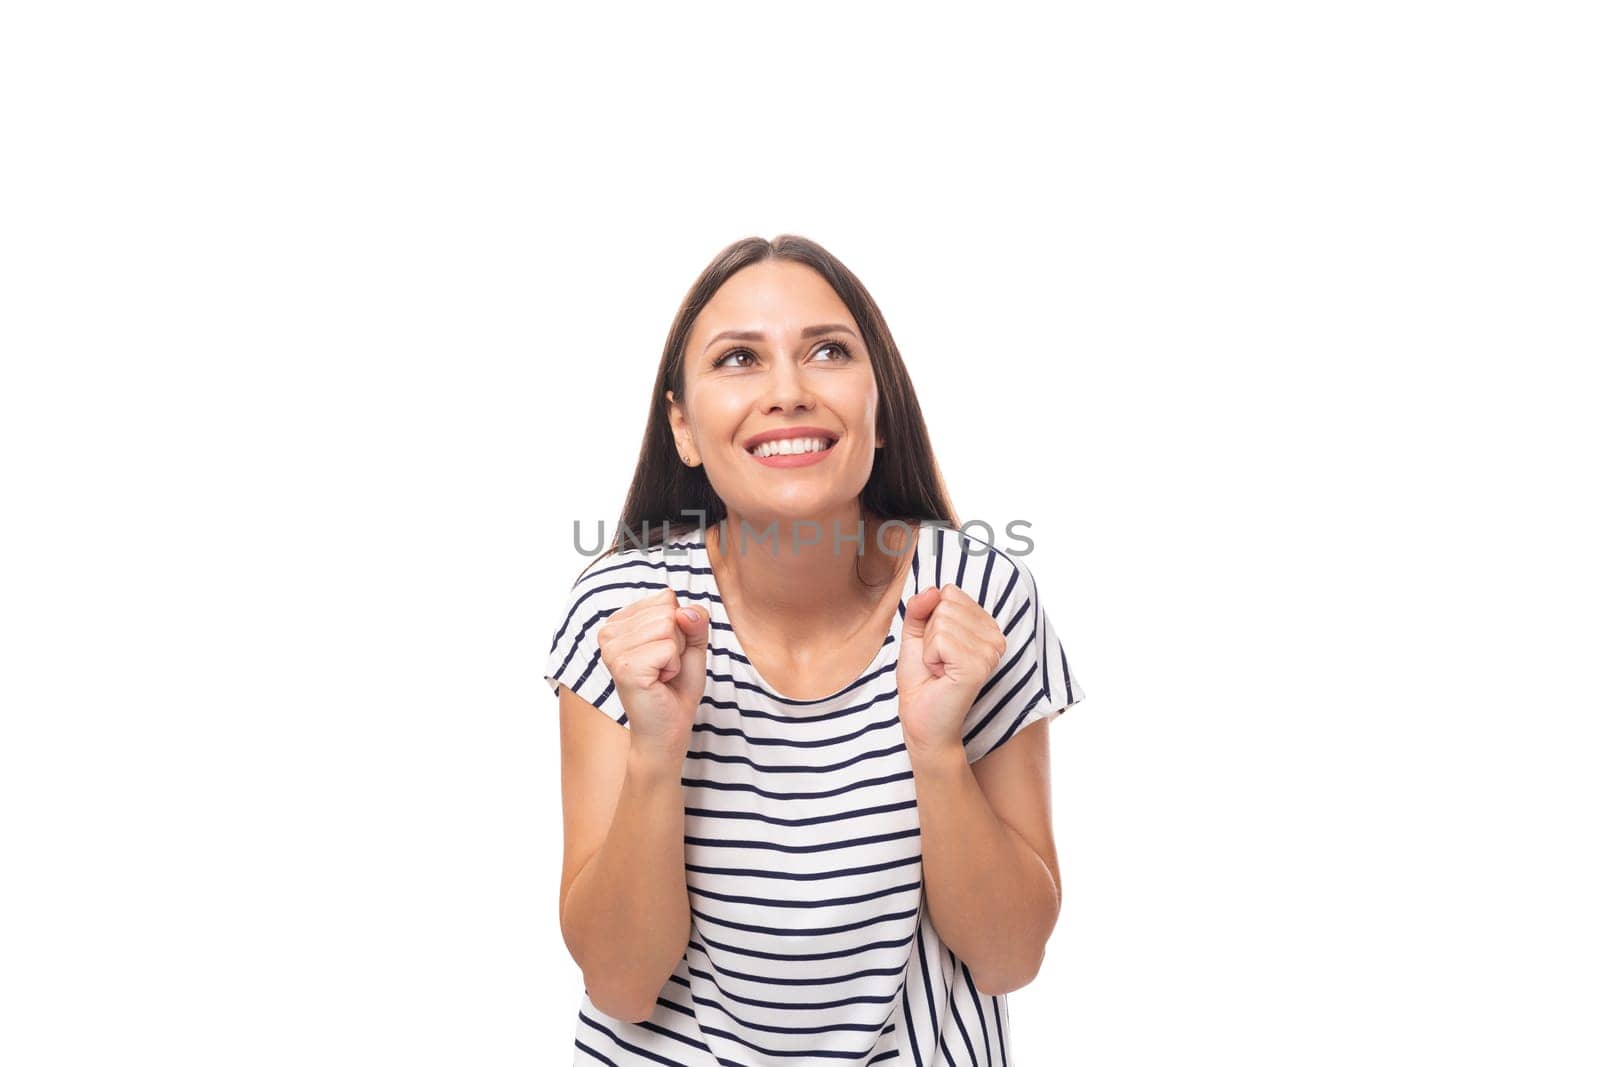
x=808, y=980
x=931, y=1004
x=747, y=787
x=798, y=768
x=983, y=589
x=820, y=1053
x=1002, y=1027
x=955, y=1010
x=977, y=1004
x=772, y=1028
x=782, y=742
x=805, y=876
x=792, y=957
x=812, y=820
x=1038, y=640
x=824, y=846
x=754, y=687
x=785, y=1005
x=603, y=1059
x=849, y=709
x=808, y=931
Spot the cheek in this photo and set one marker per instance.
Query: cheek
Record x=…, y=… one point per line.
x=716, y=415
x=856, y=403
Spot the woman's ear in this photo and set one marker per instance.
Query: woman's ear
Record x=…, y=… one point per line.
x=680, y=430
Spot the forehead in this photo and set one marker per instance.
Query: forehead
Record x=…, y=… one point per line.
x=772, y=295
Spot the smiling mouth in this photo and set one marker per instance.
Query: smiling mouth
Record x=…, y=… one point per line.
x=792, y=446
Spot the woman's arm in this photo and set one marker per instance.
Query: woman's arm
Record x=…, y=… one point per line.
x=624, y=908
x=988, y=859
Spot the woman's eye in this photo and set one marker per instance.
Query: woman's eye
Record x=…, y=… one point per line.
x=723, y=359
x=843, y=352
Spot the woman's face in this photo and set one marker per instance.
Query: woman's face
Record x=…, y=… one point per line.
x=797, y=361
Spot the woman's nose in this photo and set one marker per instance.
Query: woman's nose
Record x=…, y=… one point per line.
x=786, y=389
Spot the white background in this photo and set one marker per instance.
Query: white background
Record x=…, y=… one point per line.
x=323, y=321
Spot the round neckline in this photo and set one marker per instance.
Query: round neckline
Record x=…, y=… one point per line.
x=890, y=640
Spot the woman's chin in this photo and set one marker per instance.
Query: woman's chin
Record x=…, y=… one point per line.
x=795, y=507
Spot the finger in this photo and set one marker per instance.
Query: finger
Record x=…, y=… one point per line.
x=975, y=647
x=973, y=618
x=934, y=654
x=955, y=593
x=958, y=600
x=645, y=664
x=646, y=605
x=953, y=627
x=666, y=657
x=646, y=620
x=957, y=603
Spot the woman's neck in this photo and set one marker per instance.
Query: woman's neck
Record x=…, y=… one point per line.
x=801, y=575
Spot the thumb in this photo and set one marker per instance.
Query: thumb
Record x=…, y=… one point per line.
x=695, y=623
x=918, y=608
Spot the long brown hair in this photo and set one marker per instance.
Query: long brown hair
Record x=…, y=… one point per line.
x=667, y=496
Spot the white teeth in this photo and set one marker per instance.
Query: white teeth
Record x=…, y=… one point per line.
x=790, y=446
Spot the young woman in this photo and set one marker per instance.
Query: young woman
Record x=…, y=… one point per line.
x=822, y=833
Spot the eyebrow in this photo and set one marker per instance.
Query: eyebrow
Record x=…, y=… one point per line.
x=757, y=335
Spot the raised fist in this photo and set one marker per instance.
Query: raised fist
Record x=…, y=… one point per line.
x=655, y=650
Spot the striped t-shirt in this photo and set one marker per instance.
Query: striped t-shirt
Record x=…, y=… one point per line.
x=809, y=941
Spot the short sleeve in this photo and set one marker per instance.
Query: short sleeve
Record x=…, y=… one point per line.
x=575, y=649
x=1033, y=681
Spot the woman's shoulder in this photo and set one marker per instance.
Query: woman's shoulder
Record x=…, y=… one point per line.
x=638, y=565
x=985, y=570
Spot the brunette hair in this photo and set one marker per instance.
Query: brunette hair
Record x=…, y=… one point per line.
x=667, y=496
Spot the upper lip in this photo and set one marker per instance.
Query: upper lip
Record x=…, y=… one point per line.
x=789, y=431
